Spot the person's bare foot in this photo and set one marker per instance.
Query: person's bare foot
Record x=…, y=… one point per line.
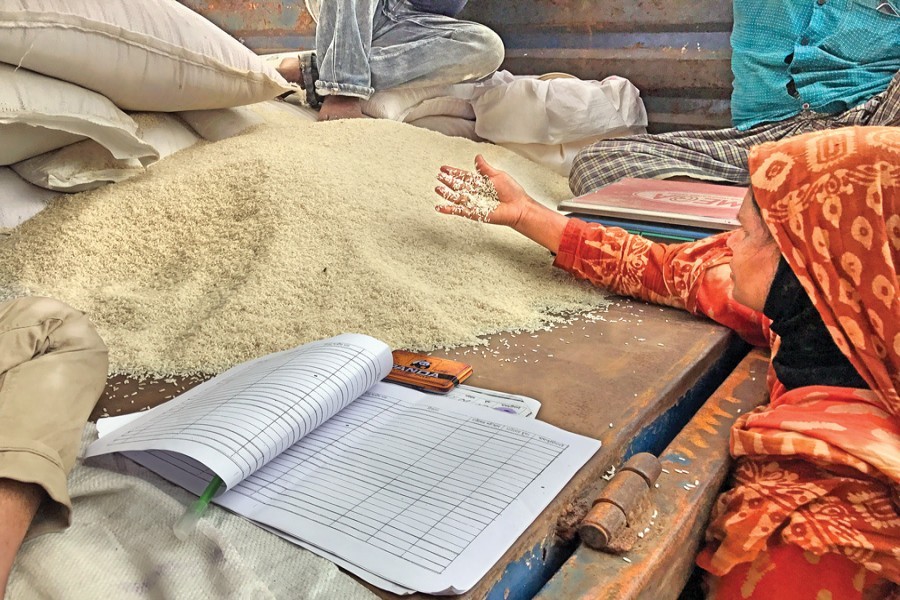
x=340, y=107
x=290, y=69
x=333, y=107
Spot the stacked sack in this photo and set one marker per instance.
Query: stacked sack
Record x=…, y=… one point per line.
x=87, y=90
x=550, y=118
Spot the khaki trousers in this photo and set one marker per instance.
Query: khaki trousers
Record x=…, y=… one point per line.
x=52, y=371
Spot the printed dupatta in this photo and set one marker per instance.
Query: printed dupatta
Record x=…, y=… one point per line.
x=819, y=466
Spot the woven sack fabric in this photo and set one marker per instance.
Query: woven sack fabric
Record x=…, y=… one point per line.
x=152, y=55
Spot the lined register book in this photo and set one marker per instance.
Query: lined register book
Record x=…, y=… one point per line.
x=706, y=205
x=409, y=491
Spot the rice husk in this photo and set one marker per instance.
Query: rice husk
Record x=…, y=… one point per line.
x=291, y=232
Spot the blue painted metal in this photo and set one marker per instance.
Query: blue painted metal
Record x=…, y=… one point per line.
x=655, y=437
x=660, y=569
x=523, y=578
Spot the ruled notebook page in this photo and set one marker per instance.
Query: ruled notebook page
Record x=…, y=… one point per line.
x=408, y=491
x=238, y=421
x=415, y=489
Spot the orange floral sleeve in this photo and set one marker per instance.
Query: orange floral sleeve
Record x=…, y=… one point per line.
x=694, y=276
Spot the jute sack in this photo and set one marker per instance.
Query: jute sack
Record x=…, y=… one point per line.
x=39, y=114
x=152, y=55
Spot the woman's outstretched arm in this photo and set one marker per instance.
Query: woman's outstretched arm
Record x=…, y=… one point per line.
x=694, y=276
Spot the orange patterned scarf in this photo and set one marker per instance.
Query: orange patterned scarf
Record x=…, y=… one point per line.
x=819, y=467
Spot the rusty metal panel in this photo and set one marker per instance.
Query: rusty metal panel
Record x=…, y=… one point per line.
x=264, y=25
x=695, y=466
x=676, y=52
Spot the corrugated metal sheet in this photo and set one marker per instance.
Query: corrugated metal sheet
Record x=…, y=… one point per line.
x=676, y=51
x=264, y=25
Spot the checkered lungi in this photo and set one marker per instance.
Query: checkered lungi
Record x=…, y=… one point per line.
x=716, y=155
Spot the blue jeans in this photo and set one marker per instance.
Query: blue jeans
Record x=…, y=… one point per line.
x=368, y=45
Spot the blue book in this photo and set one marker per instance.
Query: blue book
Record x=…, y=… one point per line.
x=658, y=231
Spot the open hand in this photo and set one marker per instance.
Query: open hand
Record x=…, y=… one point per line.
x=487, y=195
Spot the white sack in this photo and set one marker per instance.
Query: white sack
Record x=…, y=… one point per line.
x=167, y=133
x=221, y=123
x=152, y=55
x=276, y=111
x=530, y=110
x=88, y=165
x=451, y=126
x=39, y=114
x=120, y=546
x=442, y=106
x=20, y=200
x=21, y=141
x=409, y=104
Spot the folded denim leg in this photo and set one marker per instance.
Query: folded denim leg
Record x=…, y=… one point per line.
x=309, y=74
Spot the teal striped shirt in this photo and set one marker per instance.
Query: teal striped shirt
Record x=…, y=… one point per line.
x=822, y=55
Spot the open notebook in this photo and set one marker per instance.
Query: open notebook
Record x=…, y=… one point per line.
x=407, y=490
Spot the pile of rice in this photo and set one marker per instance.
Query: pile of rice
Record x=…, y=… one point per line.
x=291, y=232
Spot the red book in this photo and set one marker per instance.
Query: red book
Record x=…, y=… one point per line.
x=707, y=205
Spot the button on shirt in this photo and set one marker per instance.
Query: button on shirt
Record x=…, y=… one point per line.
x=824, y=55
